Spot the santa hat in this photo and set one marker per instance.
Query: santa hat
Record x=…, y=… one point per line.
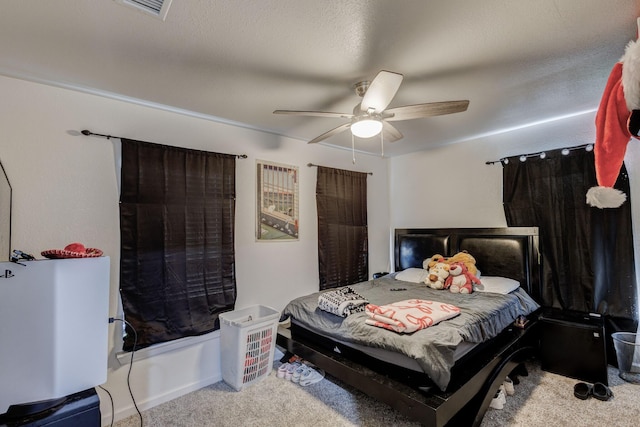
x=617, y=120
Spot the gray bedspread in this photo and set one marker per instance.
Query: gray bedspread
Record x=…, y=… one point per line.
x=482, y=316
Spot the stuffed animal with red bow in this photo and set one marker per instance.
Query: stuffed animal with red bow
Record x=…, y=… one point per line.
x=460, y=280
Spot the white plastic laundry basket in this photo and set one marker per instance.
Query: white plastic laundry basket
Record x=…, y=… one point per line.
x=247, y=339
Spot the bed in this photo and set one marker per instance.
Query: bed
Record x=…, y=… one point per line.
x=450, y=378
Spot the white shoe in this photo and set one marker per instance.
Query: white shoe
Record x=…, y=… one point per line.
x=508, y=386
x=311, y=376
x=299, y=372
x=290, y=370
x=499, y=400
x=282, y=370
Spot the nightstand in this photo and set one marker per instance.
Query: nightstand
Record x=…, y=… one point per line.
x=573, y=344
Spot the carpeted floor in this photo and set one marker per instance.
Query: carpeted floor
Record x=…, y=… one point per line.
x=541, y=399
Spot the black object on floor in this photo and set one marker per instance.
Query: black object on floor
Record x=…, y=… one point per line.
x=601, y=392
x=573, y=344
x=520, y=370
x=287, y=355
x=79, y=410
x=582, y=391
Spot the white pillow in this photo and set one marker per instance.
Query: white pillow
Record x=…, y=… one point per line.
x=497, y=285
x=413, y=275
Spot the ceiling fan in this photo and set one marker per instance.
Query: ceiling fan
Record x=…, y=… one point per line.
x=370, y=116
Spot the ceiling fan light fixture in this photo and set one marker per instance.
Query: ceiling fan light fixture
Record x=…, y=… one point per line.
x=366, y=127
x=371, y=117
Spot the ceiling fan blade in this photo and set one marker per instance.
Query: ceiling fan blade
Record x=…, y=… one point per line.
x=381, y=91
x=409, y=112
x=330, y=133
x=390, y=133
x=314, y=113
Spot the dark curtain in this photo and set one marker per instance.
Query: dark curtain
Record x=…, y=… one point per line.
x=343, y=254
x=177, y=268
x=588, y=262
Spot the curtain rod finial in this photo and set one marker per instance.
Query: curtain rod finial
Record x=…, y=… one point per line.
x=86, y=132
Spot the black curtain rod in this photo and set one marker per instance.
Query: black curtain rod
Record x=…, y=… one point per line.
x=311, y=164
x=89, y=133
x=542, y=154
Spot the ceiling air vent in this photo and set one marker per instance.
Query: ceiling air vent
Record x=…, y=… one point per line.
x=156, y=8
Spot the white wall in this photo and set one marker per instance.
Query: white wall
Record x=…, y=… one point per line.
x=64, y=190
x=453, y=187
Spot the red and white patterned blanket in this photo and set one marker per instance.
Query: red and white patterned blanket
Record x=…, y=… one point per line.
x=409, y=315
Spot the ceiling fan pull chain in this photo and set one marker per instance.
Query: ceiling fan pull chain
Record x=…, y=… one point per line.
x=381, y=144
x=353, y=149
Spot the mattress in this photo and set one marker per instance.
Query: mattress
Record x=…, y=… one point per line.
x=433, y=350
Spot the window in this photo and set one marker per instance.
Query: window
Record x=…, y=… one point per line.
x=343, y=254
x=177, y=265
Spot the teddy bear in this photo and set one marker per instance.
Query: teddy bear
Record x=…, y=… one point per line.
x=460, y=280
x=466, y=258
x=437, y=276
x=463, y=256
x=431, y=261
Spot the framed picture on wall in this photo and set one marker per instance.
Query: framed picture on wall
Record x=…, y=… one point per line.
x=277, y=202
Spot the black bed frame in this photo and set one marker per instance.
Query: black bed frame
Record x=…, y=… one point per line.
x=509, y=252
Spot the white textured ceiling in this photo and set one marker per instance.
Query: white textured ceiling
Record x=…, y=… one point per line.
x=518, y=62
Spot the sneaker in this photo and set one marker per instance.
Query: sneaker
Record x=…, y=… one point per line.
x=282, y=370
x=508, y=386
x=499, y=400
x=311, y=376
x=290, y=370
x=503, y=392
x=299, y=372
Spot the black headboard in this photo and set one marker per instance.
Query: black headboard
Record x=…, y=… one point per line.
x=508, y=252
